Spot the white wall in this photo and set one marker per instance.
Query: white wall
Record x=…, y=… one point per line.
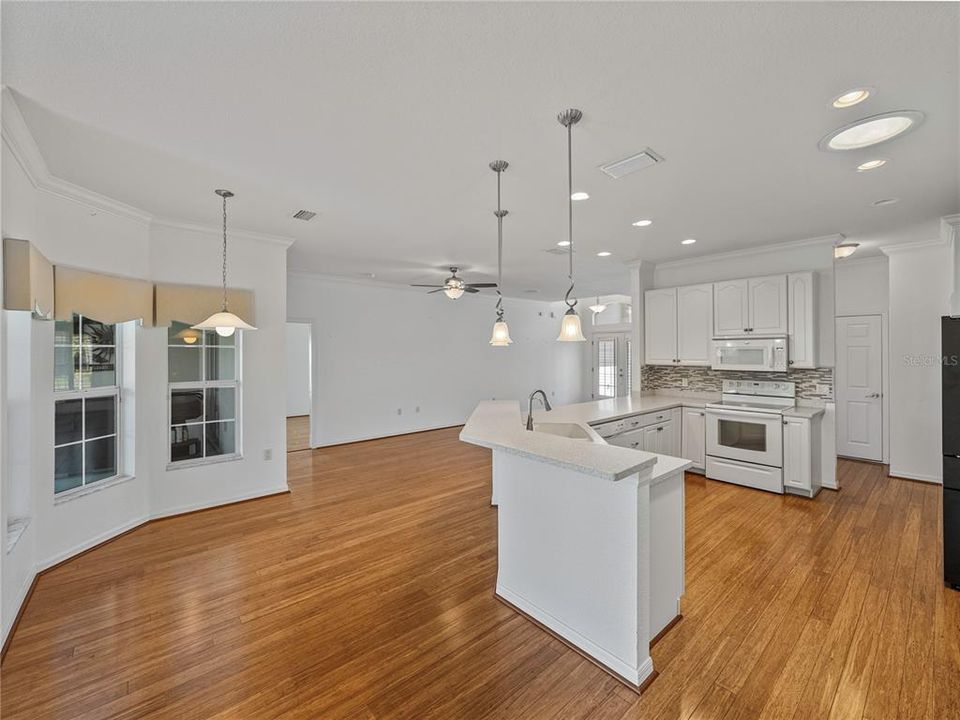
x=87, y=234
x=378, y=350
x=921, y=284
x=298, y=369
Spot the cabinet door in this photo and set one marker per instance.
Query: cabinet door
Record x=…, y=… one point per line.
x=802, y=319
x=768, y=305
x=650, y=439
x=694, y=324
x=660, y=326
x=693, y=437
x=796, y=453
x=730, y=308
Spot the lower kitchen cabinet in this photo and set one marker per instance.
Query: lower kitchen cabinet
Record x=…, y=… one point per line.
x=801, y=455
x=693, y=446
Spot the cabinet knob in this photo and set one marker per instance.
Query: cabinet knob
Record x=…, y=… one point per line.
x=659, y=429
x=789, y=362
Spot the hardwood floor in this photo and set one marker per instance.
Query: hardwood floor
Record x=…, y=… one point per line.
x=367, y=592
x=298, y=433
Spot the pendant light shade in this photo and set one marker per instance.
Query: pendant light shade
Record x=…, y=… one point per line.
x=501, y=333
x=570, y=327
x=225, y=323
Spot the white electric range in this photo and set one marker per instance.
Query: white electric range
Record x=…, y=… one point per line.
x=744, y=433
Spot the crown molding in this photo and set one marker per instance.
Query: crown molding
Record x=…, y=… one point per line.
x=950, y=227
x=217, y=230
x=909, y=246
x=17, y=137
x=753, y=251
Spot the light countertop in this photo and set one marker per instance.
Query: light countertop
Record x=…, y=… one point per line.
x=803, y=411
x=499, y=425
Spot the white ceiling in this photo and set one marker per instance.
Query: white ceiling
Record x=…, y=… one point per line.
x=382, y=118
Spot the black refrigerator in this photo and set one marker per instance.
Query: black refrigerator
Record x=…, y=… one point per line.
x=950, y=360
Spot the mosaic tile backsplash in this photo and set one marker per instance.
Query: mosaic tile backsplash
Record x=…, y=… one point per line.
x=701, y=379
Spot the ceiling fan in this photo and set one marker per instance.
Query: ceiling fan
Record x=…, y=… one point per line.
x=453, y=287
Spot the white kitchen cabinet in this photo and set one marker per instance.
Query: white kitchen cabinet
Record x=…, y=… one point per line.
x=801, y=455
x=660, y=326
x=731, y=307
x=694, y=324
x=678, y=325
x=693, y=441
x=801, y=319
x=768, y=305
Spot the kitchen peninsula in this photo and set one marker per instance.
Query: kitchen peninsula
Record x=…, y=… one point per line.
x=590, y=535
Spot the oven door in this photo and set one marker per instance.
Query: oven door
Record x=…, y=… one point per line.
x=747, y=436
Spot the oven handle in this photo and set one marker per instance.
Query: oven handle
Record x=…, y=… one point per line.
x=742, y=413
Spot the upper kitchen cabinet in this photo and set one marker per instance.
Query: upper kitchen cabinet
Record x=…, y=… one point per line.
x=660, y=326
x=801, y=319
x=752, y=306
x=731, y=307
x=768, y=305
x=694, y=321
x=677, y=324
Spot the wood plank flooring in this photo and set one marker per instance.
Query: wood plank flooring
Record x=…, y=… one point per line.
x=367, y=592
x=298, y=433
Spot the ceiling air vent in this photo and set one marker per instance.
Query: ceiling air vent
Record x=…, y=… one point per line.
x=632, y=164
x=304, y=215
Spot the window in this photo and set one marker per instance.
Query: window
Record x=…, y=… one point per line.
x=607, y=367
x=87, y=403
x=204, y=394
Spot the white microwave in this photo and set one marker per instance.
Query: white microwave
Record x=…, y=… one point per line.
x=756, y=354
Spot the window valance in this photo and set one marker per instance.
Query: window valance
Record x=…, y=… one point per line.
x=107, y=298
x=27, y=278
x=195, y=303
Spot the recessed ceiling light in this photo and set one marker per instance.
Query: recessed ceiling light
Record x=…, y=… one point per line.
x=643, y=223
x=870, y=165
x=871, y=131
x=688, y=241
x=885, y=201
x=563, y=243
x=579, y=196
x=851, y=98
x=603, y=253
x=845, y=250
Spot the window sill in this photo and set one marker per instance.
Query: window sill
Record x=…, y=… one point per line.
x=68, y=495
x=15, y=530
x=216, y=460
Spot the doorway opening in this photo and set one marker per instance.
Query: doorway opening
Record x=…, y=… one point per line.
x=612, y=374
x=299, y=385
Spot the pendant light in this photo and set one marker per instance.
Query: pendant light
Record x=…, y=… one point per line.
x=598, y=308
x=501, y=333
x=224, y=322
x=570, y=327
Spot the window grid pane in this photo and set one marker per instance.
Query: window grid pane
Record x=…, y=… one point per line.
x=607, y=368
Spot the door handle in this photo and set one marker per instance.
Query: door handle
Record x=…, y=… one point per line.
x=873, y=395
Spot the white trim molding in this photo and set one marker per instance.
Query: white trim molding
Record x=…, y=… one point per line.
x=825, y=240
x=910, y=246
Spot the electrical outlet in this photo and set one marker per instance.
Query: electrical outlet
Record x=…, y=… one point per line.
x=684, y=382
x=399, y=411
x=268, y=454
x=417, y=409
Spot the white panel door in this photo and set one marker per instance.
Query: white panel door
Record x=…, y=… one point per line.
x=859, y=388
x=660, y=326
x=693, y=438
x=694, y=324
x=612, y=376
x=768, y=305
x=801, y=320
x=730, y=308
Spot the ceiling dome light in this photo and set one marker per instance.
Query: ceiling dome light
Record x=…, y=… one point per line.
x=598, y=308
x=603, y=253
x=643, y=223
x=688, y=241
x=871, y=131
x=851, y=98
x=844, y=250
x=870, y=165
x=885, y=201
x=224, y=322
x=579, y=196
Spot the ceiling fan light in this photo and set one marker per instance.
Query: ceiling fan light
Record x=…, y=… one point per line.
x=453, y=291
x=570, y=328
x=501, y=334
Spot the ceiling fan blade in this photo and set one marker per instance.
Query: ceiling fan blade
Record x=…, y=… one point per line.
x=481, y=285
x=436, y=286
x=431, y=292
x=470, y=289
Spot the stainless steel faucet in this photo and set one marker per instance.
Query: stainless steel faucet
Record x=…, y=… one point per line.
x=546, y=406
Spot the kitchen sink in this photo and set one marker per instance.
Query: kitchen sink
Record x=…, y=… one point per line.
x=567, y=430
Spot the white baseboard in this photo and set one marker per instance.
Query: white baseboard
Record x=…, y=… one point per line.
x=916, y=476
x=181, y=509
x=90, y=542
x=17, y=605
x=635, y=675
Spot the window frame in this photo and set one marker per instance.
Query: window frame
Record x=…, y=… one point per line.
x=203, y=386
x=83, y=394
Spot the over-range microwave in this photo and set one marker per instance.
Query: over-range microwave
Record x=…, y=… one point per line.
x=753, y=354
